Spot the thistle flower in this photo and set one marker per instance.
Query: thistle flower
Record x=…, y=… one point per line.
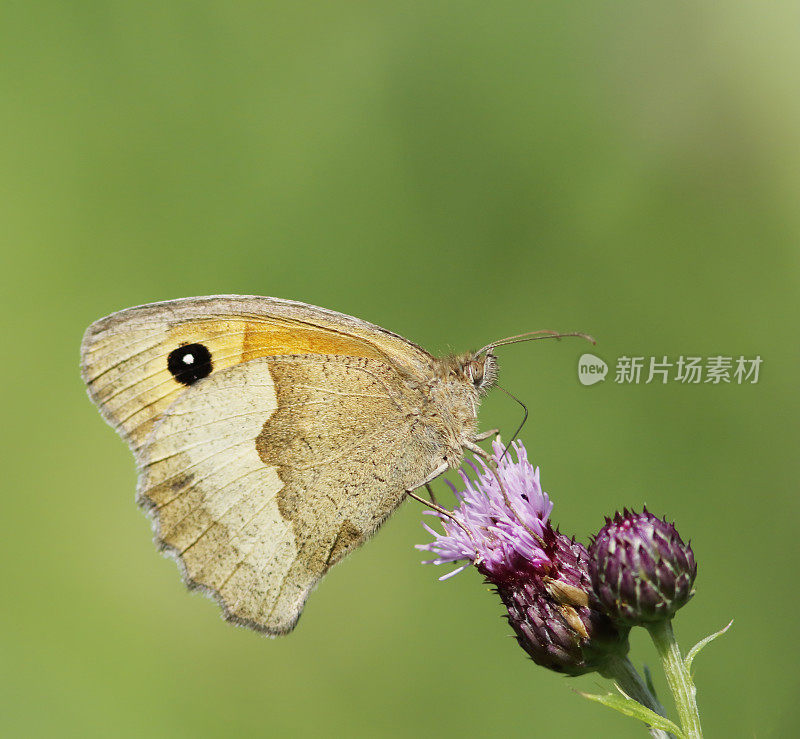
x=641, y=570
x=501, y=526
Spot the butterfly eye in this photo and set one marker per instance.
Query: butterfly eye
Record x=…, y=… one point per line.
x=475, y=372
x=190, y=363
x=488, y=373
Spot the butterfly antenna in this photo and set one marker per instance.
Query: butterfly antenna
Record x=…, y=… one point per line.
x=534, y=336
x=521, y=426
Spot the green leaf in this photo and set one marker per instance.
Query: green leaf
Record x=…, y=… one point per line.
x=695, y=650
x=648, y=680
x=630, y=707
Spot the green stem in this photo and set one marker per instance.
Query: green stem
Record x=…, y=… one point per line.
x=624, y=674
x=678, y=677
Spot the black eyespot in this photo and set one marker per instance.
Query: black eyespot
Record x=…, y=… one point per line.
x=189, y=363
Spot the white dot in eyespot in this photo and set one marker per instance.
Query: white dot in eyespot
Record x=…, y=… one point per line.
x=188, y=359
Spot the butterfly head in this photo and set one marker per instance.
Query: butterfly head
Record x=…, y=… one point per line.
x=481, y=370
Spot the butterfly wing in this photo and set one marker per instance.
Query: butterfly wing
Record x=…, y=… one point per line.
x=266, y=461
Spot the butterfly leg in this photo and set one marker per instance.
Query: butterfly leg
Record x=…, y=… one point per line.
x=487, y=434
x=475, y=449
x=430, y=492
x=433, y=505
x=440, y=470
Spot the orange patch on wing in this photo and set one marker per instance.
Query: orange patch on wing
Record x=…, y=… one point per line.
x=280, y=339
x=236, y=340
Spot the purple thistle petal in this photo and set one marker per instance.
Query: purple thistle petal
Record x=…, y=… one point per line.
x=496, y=527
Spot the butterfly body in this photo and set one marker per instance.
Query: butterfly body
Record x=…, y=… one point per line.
x=272, y=438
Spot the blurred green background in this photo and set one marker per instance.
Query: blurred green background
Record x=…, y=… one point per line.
x=457, y=172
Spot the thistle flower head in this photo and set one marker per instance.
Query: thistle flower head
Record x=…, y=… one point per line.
x=640, y=568
x=501, y=526
x=498, y=529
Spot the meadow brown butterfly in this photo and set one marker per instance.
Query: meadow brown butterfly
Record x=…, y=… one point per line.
x=272, y=437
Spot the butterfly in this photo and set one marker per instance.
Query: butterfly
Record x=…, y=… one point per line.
x=272, y=437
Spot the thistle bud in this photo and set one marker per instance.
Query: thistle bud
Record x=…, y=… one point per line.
x=641, y=570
